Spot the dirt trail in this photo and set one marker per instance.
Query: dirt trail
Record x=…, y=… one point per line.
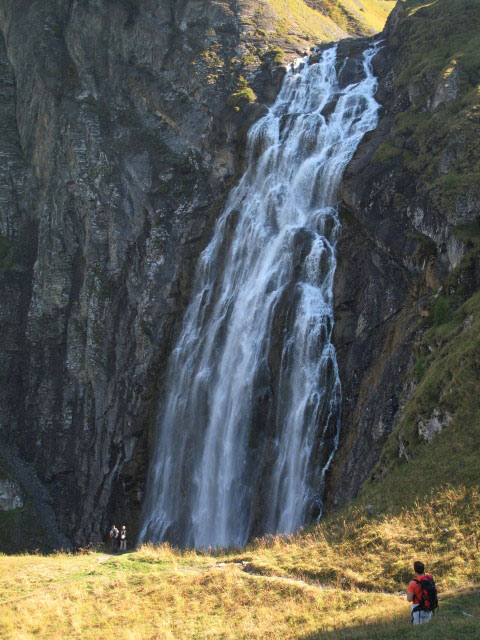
x=103, y=557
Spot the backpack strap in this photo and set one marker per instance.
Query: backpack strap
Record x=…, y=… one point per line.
x=421, y=605
x=415, y=610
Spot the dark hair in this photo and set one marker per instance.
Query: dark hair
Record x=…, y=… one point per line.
x=419, y=567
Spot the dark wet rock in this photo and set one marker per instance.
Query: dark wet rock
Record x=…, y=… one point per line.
x=329, y=108
x=350, y=60
x=32, y=521
x=351, y=72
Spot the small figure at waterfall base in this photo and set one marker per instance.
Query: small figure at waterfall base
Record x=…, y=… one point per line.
x=123, y=538
x=113, y=538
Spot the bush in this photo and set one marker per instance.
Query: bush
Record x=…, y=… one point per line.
x=243, y=93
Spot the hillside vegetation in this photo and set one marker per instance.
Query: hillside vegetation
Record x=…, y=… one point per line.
x=437, y=63
x=302, y=21
x=437, y=438
x=366, y=16
x=341, y=579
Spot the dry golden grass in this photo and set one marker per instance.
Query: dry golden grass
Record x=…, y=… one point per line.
x=221, y=602
x=342, y=579
x=299, y=20
x=352, y=550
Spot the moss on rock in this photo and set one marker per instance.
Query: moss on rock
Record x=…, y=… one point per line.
x=243, y=93
x=437, y=65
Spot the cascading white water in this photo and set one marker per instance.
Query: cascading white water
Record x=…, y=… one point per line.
x=251, y=415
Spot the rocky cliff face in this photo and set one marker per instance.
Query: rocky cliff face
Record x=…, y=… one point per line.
x=122, y=128
x=410, y=194
x=118, y=146
x=123, y=125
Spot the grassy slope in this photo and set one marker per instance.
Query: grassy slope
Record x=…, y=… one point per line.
x=319, y=20
x=446, y=374
x=448, y=378
x=438, y=42
x=277, y=30
x=364, y=17
x=341, y=579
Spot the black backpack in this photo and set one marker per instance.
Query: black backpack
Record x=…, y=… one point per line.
x=429, y=599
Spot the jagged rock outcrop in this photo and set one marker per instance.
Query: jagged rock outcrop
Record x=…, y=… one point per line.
x=11, y=496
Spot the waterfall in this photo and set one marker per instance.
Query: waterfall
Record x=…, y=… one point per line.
x=251, y=415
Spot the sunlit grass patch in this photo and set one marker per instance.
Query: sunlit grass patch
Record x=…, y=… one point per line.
x=458, y=618
x=325, y=19
x=341, y=579
x=355, y=550
x=224, y=602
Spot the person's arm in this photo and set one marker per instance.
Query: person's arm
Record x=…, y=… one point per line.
x=410, y=592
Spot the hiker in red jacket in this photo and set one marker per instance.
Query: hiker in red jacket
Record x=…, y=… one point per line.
x=422, y=593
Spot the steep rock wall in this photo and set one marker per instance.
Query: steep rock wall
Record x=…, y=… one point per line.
x=123, y=125
x=409, y=194
x=119, y=147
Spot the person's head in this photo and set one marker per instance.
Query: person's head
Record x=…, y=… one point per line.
x=419, y=567
x=124, y=527
x=113, y=526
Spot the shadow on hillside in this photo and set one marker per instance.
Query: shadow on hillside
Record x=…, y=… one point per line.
x=458, y=617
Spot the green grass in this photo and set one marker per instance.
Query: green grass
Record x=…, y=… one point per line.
x=275, y=54
x=296, y=18
x=449, y=40
x=469, y=232
x=87, y=597
x=435, y=41
x=297, y=21
x=358, y=18
x=457, y=619
x=355, y=550
x=243, y=93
